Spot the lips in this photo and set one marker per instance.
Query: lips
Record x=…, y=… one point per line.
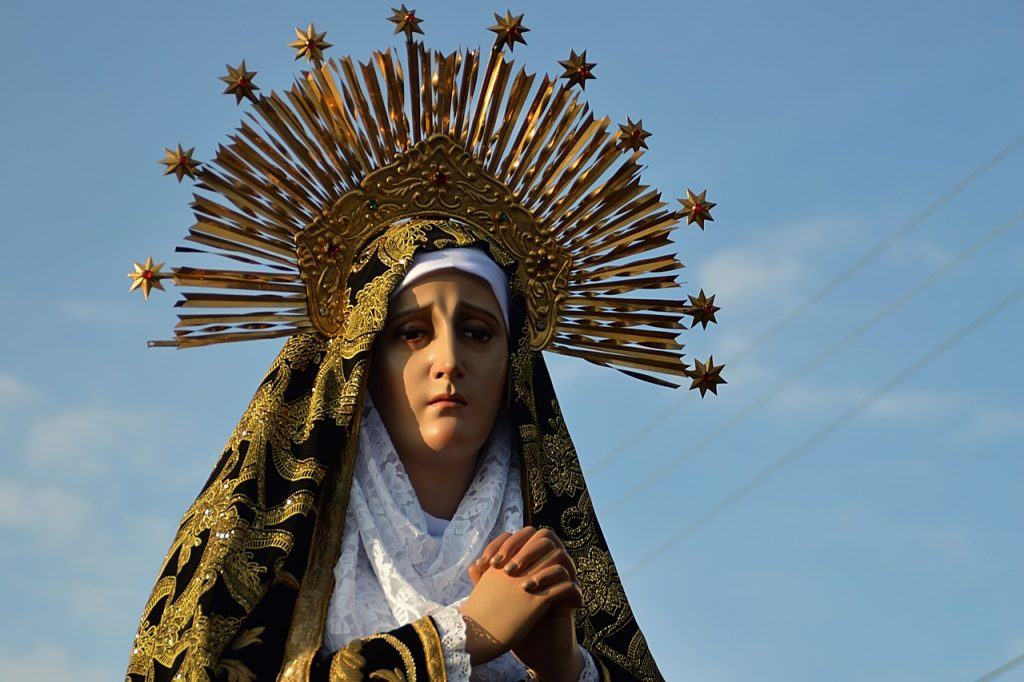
x=448, y=398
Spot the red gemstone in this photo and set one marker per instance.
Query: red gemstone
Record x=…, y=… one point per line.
x=147, y=274
x=585, y=73
x=183, y=160
x=411, y=16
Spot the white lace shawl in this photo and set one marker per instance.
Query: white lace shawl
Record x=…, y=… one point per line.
x=391, y=571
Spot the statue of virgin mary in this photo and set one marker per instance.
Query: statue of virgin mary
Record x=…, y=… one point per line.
x=401, y=499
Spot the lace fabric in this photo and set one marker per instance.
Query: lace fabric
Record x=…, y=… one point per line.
x=452, y=630
x=392, y=570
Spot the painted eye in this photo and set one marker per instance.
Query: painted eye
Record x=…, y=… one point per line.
x=478, y=333
x=410, y=334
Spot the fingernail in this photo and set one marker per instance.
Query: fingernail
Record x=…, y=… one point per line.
x=511, y=567
x=497, y=559
x=529, y=585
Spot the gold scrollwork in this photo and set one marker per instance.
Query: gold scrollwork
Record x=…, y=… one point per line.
x=435, y=178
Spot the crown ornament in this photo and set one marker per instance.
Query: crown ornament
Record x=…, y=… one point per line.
x=351, y=148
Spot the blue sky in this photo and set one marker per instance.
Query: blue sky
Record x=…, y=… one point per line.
x=891, y=549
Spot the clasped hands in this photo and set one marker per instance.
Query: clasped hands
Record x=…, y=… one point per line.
x=523, y=599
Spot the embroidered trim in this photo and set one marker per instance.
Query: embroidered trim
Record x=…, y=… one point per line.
x=431, y=649
x=407, y=660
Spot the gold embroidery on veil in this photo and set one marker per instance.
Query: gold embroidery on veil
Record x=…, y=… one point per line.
x=340, y=183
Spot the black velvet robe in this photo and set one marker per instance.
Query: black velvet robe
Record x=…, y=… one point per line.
x=243, y=592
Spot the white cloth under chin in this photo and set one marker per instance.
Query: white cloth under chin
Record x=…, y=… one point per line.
x=398, y=563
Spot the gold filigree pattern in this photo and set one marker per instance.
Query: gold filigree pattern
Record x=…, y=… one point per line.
x=348, y=663
x=434, y=652
x=534, y=491
x=244, y=534
x=577, y=523
x=233, y=519
x=637, y=658
x=559, y=462
x=436, y=177
x=407, y=660
x=602, y=591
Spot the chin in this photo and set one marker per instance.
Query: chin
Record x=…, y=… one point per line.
x=447, y=433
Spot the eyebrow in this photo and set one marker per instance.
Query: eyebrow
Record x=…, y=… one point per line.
x=483, y=311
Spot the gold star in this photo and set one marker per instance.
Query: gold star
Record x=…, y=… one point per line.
x=706, y=376
x=147, y=276
x=405, y=20
x=702, y=309
x=632, y=135
x=179, y=161
x=577, y=69
x=696, y=208
x=310, y=44
x=510, y=30
x=239, y=82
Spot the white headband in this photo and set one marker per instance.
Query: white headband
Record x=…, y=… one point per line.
x=466, y=259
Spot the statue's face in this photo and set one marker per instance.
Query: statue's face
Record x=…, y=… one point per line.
x=444, y=337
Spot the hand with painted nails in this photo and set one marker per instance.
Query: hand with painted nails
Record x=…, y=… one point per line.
x=503, y=607
x=538, y=557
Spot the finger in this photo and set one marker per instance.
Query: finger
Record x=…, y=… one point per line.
x=483, y=561
x=556, y=556
x=548, y=534
x=563, y=592
x=512, y=545
x=566, y=592
x=546, y=577
x=535, y=549
x=475, y=571
x=493, y=546
x=570, y=563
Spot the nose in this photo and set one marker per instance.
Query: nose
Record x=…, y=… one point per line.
x=447, y=361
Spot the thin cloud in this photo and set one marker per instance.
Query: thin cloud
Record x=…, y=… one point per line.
x=91, y=311
x=46, y=662
x=15, y=393
x=921, y=251
x=86, y=439
x=47, y=512
x=807, y=397
x=988, y=423
x=775, y=270
x=901, y=539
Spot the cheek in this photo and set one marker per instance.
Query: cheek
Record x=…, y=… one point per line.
x=500, y=377
x=389, y=377
x=488, y=387
x=410, y=377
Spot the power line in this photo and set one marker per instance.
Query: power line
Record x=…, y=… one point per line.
x=1004, y=668
x=796, y=375
x=846, y=274
x=806, y=445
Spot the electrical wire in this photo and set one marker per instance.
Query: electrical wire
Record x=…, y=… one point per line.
x=846, y=274
x=1004, y=668
x=806, y=445
x=836, y=346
